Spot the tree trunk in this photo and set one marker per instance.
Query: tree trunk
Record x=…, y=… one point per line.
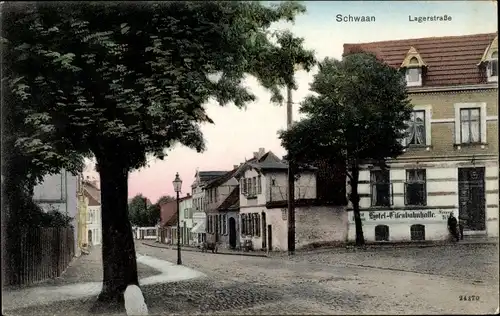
x=118, y=251
x=360, y=239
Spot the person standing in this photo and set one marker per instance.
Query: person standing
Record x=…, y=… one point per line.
x=452, y=226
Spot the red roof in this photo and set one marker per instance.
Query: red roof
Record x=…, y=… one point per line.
x=168, y=212
x=450, y=60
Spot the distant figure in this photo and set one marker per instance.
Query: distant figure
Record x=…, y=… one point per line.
x=452, y=226
x=462, y=221
x=134, y=301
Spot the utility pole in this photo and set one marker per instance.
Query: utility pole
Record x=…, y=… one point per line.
x=291, y=180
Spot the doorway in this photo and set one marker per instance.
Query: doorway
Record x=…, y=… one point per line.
x=232, y=232
x=472, y=198
x=269, y=238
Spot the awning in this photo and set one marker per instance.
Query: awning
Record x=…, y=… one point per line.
x=199, y=228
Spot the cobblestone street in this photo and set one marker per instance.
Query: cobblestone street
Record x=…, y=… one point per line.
x=331, y=283
x=379, y=281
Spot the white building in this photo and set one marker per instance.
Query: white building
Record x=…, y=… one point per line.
x=92, y=195
x=198, y=203
x=450, y=164
x=263, y=207
x=59, y=192
x=186, y=220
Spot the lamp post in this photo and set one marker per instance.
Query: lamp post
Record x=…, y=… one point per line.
x=177, y=188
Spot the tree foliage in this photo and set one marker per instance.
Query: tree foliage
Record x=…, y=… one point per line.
x=122, y=81
x=143, y=213
x=356, y=114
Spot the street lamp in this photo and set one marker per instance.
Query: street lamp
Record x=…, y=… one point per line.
x=177, y=188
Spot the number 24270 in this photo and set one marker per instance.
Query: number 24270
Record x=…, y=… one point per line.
x=469, y=298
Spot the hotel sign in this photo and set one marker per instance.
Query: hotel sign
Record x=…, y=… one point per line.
x=402, y=216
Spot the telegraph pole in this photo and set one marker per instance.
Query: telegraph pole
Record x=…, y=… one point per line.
x=291, y=180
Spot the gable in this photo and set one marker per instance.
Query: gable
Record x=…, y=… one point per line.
x=413, y=59
x=492, y=48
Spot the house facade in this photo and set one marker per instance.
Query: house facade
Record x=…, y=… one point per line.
x=222, y=209
x=92, y=195
x=263, y=207
x=198, y=203
x=168, y=222
x=60, y=192
x=450, y=164
x=186, y=213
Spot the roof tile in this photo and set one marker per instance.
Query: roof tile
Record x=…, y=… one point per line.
x=451, y=60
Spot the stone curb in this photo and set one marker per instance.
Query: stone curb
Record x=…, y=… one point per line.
x=218, y=253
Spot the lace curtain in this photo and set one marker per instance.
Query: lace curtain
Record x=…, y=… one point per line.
x=416, y=128
x=470, y=128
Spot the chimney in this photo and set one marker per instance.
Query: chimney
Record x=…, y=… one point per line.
x=256, y=154
x=262, y=152
x=235, y=167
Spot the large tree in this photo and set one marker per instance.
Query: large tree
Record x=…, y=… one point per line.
x=123, y=81
x=356, y=115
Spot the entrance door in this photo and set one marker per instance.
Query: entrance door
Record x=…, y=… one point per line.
x=232, y=232
x=471, y=195
x=264, y=233
x=270, y=237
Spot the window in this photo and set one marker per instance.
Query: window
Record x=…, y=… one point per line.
x=415, y=187
x=414, y=73
x=417, y=232
x=416, y=128
x=249, y=186
x=224, y=224
x=470, y=125
x=493, y=67
x=243, y=224
x=380, y=188
x=381, y=233
x=257, y=224
x=250, y=224
x=244, y=185
x=259, y=185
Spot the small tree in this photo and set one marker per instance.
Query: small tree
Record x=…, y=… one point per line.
x=357, y=114
x=137, y=209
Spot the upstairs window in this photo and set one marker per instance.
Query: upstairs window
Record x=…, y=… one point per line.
x=413, y=73
x=470, y=125
x=416, y=128
x=493, y=67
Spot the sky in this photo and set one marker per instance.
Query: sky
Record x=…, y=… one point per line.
x=237, y=133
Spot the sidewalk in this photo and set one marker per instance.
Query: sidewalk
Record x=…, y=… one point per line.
x=194, y=249
x=82, y=281
x=336, y=247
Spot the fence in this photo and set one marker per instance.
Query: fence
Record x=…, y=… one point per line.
x=37, y=254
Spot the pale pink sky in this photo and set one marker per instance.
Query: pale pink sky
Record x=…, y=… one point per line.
x=236, y=133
